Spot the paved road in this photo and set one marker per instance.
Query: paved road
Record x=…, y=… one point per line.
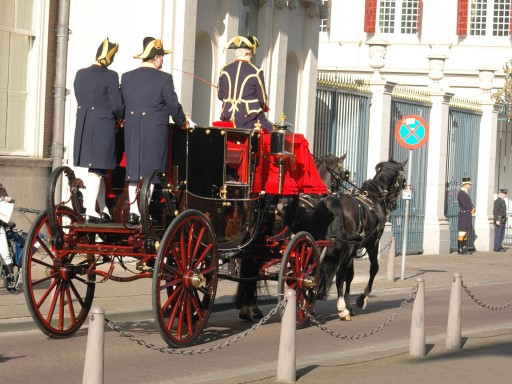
x=29, y=356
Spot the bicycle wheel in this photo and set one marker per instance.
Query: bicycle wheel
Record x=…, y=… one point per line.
x=58, y=284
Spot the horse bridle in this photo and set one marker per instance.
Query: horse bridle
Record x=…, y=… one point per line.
x=339, y=177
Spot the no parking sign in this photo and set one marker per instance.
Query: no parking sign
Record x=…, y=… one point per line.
x=411, y=131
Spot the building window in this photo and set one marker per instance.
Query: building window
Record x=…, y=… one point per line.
x=324, y=23
x=398, y=16
x=394, y=16
x=16, y=40
x=483, y=18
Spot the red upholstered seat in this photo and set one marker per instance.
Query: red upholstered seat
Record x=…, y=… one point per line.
x=223, y=124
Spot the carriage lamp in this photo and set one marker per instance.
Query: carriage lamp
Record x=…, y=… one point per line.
x=281, y=146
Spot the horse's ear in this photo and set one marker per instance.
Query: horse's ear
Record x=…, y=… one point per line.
x=391, y=159
x=405, y=162
x=344, y=157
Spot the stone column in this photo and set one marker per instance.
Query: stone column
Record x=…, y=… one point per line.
x=485, y=187
x=436, y=239
x=380, y=116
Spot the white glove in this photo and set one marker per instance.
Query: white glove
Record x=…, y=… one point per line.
x=190, y=123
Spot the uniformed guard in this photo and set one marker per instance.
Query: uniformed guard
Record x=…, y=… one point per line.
x=150, y=101
x=242, y=87
x=500, y=219
x=467, y=209
x=100, y=107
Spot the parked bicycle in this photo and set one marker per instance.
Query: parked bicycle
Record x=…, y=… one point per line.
x=10, y=270
x=11, y=273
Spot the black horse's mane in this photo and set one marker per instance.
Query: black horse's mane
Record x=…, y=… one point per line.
x=386, y=172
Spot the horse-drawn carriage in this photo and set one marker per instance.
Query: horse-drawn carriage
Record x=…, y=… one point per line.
x=229, y=194
x=219, y=201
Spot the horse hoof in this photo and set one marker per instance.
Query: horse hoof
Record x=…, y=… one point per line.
x=345, y=318
x=362, y=302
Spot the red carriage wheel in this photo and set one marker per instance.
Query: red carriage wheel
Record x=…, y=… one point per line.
x=58, y=284
x=300, y=271
x=185, y=278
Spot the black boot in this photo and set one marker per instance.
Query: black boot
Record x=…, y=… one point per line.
x=9, y=277
x=460, y=246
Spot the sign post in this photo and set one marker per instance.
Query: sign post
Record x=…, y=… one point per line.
x=411, y=132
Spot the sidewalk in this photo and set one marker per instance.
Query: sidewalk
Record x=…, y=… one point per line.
x=381, y=358
x=132, y=301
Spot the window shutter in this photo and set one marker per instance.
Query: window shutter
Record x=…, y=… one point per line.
x=418, y=20
x=462, y=17
x=370, y=14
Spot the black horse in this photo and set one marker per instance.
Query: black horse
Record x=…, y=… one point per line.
x=355, y=221
x=297, y=216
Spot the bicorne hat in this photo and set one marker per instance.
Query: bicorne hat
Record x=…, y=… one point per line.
x=505, y=191
x=152, y=47
x=106, y=52
x=249, y=42
x=466, y=180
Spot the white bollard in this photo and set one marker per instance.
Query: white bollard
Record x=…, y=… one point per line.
x=418, y=338
x=454, y=327
x=391, y=260
x=94, y=363
x=286, y=363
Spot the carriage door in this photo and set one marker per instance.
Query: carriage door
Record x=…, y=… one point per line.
x=463, y=134
x=399, y=109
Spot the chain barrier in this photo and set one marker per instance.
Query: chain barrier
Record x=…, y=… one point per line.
x=315, y=322
x=198, y=351
x=481, y=303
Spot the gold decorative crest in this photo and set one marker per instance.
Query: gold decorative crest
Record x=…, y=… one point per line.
x=158, y=44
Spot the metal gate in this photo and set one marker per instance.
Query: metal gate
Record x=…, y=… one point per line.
x=503, y=175
x=462, y=161
x=342, y=122
x=399, y=109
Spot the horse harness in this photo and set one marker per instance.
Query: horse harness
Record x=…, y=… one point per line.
x=362, y=201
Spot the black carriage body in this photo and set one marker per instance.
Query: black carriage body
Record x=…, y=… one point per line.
x=213, y=172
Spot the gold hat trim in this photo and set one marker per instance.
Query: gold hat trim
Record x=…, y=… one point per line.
x=238, y=40
x=105, y=58
x=157, y=44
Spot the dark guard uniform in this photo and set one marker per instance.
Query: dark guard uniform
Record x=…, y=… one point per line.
x=150, y=99
x=150, y=102
x=466, y=210
x=99, y=107
x=500, y=219
x=242, y=88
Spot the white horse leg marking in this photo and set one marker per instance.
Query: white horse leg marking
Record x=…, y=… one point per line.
x=343, y=312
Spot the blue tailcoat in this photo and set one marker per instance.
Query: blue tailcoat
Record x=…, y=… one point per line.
x=150, y=99
x=243, y=95
x=100, y=105
x=464, y=223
